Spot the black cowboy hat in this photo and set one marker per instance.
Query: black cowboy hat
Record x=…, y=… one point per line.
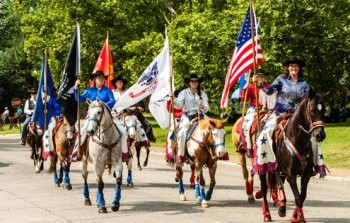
x=293, y=60
x=33, y=91
x=261, y=72
x=119, y=78
x=98, y=73
x=193, y=77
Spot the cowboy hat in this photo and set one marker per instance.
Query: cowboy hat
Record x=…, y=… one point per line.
x=261, y=72
x=98, y=73
x=32, y=91
x=293, y=60
x=193, y=77
x=119, y=78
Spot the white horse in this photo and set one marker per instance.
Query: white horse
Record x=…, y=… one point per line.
x=103, y=149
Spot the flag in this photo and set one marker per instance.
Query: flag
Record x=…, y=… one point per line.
x=159, y=98
x=45, y=85
x=154, y=75
x=65, y=96
x=105, y=64
x=242, y=58
x=242, y=81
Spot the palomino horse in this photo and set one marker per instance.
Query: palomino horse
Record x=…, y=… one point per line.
x=294, y=154
x=103, y=149
x=204, y=146
x=63, y=140
x=244, y=156
x=34, y=140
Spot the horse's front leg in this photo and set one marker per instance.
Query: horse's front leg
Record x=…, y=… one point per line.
x=66, y=179
x=178, y=178
x=118, y=170
x=100, y=200
x=265, y=205
x=297, y=197
x=138, y=153
x=86, y=186
x=212, y=171
x=249, y=184
x=129, y=182
x=200, y=184
x=147, y=154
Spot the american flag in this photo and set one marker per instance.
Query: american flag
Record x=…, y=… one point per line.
x=242, y=59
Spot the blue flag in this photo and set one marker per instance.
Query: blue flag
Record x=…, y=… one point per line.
x=242, y=81
x=45, y=85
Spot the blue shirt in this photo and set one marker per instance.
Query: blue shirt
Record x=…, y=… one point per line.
x=92, y=93
x=53, y=105
x=289, y=93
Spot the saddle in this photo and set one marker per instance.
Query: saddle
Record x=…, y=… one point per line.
x=254, y=125
x=282, y=122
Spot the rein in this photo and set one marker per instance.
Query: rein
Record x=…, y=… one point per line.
x=203, y=144
x=313, y=125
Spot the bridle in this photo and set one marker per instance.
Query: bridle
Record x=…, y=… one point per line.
x=98, y=121
x=313, y=124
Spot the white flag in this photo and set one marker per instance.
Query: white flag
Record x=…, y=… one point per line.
x=152, y=79
x=158, y=100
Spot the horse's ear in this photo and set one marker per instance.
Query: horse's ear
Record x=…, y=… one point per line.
x=312, y=93
x=88, y=100
x=223, y=122
x=213, y=123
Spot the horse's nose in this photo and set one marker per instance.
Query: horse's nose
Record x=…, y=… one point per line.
x=91, y=132
x=321, y=136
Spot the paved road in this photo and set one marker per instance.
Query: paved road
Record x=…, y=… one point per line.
x=29, y=197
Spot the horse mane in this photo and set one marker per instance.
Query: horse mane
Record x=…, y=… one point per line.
x=299, y=115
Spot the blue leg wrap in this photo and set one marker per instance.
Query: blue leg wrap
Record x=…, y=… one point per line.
x=196, y=191
x=209, y=192
x=66, y=179
x=117, y=195
x=181, y=187
x=202, y=195
x=129, y=178
x=100, y=199
x=55, y=178
x=86, y=190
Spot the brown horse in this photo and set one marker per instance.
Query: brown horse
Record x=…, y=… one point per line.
x=245, y=156
x=34, y=140
x=63, y=140
x=205, y=145
x=294, y=154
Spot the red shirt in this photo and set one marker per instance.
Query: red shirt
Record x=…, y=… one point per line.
x=177, y=111
x=251, y=94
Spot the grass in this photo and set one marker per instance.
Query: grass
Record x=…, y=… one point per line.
x=335, y=148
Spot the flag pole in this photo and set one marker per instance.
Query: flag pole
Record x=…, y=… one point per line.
x=107, y=56
x=45, y=88
x=80, y=152
x=246, y=95
x=252, y=29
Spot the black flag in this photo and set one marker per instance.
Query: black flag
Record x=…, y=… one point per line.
x=65, y=95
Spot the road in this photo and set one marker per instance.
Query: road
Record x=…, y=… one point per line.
x=29, y=197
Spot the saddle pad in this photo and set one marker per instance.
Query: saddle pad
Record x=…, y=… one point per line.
x=255, y=123
x=191, y=129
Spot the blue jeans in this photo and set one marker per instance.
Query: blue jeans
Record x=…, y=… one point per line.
x=24, y=127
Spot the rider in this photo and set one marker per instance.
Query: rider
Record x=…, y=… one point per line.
x=249, y=94
x=28, y=110
x=5, y=114
x=194, y=103
x=290, y=89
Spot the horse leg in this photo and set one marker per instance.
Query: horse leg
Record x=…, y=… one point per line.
x=66, y=180
x=248, y=184
x=192, y=176
x=100, y=200
x=117, y=193
x=265, y=205
x=52, y=169
x=147, y=154
x=129, y=178
x=138, y=152
x=199, y=172
x=86, y=186
x=299, y=205
x=178, y=178
x=212, y=171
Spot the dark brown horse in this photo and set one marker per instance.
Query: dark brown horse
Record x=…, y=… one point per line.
x=34, y=140
x=294, y=154
x=63, y=140
x=205, y=145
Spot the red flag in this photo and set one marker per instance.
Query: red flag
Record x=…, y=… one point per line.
x=242, y=59
x=105, y=64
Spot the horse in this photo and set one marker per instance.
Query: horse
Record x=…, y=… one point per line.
x=294, y=154
x=204, y=146
x=103, y=149
x=34, y=140
x=244, y=156
x=16, y=120
x=63, y=141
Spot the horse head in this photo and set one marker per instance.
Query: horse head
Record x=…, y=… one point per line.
x=95, y=115
x=218, y=136
x=130, y=122
x=69, y=129
x=315, y=114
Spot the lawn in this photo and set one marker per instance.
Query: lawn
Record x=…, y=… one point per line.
x=336, y=146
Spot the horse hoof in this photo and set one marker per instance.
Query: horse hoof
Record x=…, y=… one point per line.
x=87, y=202
x=176, y=180
x=37, y=170
x=130, y=184
x=68, y=187
x=182, y=197
x=57, y=185
x=192, y=185
x=140, y=168
x=267, y=218
x=251, y=199
x=208, y=197
x=145, y=164
x=282, y=211
x=204, y=204
x=102, y=210
x=198, y=199
x=115, y=207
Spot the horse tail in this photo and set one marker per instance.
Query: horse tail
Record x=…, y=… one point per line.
x=110, y=169
x=52, y=167
x=272, y=181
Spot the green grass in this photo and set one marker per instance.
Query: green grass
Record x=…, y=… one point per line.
x=335, y=148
